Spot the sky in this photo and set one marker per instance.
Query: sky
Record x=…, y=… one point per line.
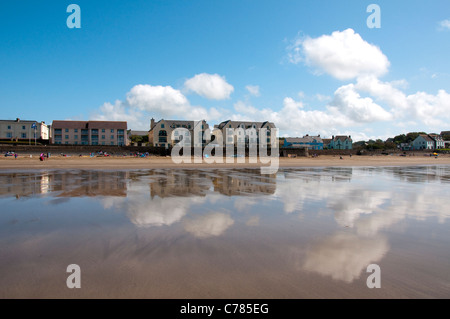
x=311, y=67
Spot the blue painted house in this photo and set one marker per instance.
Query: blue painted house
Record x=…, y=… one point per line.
x=309, y=142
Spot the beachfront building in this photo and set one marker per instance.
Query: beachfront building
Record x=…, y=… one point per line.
x=438, y=141
x=90, y=133
x=309, y=142
x=326, y=143
x=160, y=134
x=248, y=135
x=341, y=142
x=428, y=142
x=24, y=131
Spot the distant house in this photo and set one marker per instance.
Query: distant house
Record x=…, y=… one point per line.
x=405, y=146
x=235, y=136
x=24, y=130
x=326, y=143
x=90, y=133
x=438, y=141
x=160, y=133
x=428, y=142
x=341, y=142
x=309, y=142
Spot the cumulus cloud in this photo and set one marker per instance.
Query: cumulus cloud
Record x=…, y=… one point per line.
x=144, y=101
x=213, y=224
x=253, y=90
x=343, y=54
x=428, y=108
x=348, y=101
x=210, y=86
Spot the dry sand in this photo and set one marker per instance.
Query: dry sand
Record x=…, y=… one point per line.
x=76, y=162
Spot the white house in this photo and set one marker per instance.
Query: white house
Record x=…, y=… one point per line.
x=24, y=130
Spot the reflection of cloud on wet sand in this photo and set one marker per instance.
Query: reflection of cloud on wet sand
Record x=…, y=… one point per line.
x=213, y=224
x=157, y=212
x=343, y=256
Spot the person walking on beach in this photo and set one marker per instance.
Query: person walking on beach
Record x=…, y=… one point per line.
x=41, y=158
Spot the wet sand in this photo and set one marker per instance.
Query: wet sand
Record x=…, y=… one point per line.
x=74, y=162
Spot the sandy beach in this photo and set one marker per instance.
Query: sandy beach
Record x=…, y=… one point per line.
x=74, y=162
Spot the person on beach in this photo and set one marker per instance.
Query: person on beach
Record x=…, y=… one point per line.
x=15, y=155
x=41, y=158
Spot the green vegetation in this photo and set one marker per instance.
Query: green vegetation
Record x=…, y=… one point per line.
x=139, y=139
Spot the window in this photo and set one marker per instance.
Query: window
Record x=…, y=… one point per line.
x=24, y=135
x=75, y=137
x=162, y=125
x=23, y=127
x=58, y=131
x=66, y=130
x=66, y=143
x=103, y=130
x=112, y=143
x=112, y=130
x=75, y=130
x=112, y=137
x=66, y=137
x=9, y=127
x=103, y=137
x=103, y=143
x=76, y=143
x=9, y=135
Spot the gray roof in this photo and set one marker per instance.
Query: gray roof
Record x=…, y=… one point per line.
x=426, y=138
x=247, y=124
x=304, y=139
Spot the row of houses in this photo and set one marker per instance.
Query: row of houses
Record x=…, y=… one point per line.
x=340, y=142
x=428, y=142
x=166, y=133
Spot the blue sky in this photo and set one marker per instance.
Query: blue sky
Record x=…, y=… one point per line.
x=312, y=67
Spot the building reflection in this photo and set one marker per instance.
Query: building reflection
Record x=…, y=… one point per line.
x=64, y=183
x=169, y=183
x=244, y=181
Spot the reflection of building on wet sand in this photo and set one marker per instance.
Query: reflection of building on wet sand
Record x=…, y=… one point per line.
x=197, y=183
x=67, y=183
x=239, y=182
x=422, y=174
x=179, y=183
x=23, y=184
x=90, y=183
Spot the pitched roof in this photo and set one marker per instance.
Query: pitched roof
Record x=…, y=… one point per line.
x=342, y=138
x=247, y=124
x=426, y=137
x=304, y=139
x=90, y=124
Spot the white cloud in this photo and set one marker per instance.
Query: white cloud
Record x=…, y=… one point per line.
x=358, y=109
x=161, y=99
x=253, y=90
x=144, y=101
x=444, y=25
x=210, y=86
x=427, y=108
x=343, y=54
